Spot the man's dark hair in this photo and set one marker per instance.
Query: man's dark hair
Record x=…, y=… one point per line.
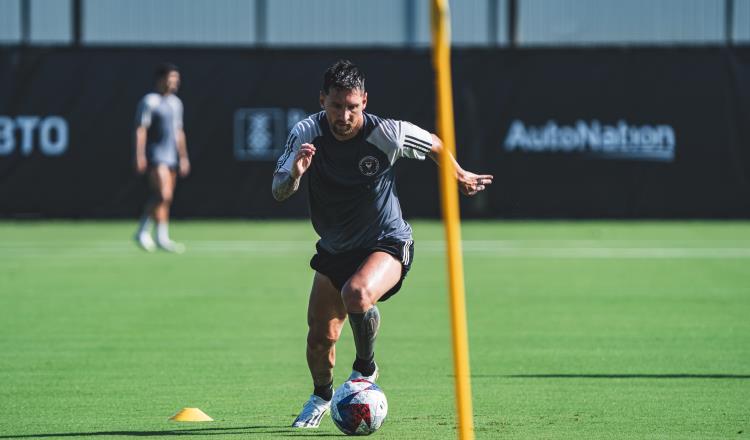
x=164, y=69
x=343, y=75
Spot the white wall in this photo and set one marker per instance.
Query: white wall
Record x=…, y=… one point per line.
x=336, y=22
x=741, y=27
x=51, y=21
x=10, y=21
x=574, y=22
x=169, y=22
x=385, y=23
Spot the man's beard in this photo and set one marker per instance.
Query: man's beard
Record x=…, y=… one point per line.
x=343, y=130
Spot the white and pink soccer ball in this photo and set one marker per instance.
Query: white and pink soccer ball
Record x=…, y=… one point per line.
x=358, y=407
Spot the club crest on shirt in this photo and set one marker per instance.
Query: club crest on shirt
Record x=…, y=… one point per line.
x=369, y=166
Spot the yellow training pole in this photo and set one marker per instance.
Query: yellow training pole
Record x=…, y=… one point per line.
x=449, y=197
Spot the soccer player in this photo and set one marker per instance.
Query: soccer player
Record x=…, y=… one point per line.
x=160, y=151
x=365, y=248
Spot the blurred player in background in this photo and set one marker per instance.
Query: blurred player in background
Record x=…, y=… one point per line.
x=160, y=152
x=365, y=248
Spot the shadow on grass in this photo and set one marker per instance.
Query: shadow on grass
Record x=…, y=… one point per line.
x=280, y=431
x=616, y=376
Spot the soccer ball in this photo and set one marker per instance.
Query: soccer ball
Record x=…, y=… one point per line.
x=358, y=407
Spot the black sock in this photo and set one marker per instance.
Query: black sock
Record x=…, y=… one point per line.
x=364, y=366
x=325, y=392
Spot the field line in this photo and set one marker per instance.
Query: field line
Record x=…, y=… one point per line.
x=556, y=249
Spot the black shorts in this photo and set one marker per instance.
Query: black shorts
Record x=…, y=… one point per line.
x=340, y=267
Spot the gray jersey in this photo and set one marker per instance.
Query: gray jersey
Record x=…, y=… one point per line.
x=352, y=193
x=162, y=117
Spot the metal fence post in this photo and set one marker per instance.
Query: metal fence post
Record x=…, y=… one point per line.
x=25, y=22
x=512, y=23
x=729, y=22
x=76, y=15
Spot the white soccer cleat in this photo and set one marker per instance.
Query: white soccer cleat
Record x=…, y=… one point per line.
x=145, y=241
x=312, y=413
x=171, y=246
x=372, y=378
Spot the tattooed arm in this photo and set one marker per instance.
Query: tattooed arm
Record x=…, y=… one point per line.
x=287, y=183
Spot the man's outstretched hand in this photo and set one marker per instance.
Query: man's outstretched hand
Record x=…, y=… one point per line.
x=470, y=184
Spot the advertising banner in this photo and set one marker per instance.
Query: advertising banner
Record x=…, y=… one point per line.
x=584, y=133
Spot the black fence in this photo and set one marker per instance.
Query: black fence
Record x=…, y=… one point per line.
x=585, y=133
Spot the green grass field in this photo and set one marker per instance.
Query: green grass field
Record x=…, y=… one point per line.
x=586, y=330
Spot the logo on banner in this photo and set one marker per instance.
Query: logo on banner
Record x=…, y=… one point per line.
x=25, y=134
x=617, y=141
x=259, y=133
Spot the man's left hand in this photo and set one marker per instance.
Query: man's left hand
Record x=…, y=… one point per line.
x=184, y=167
x=470, y=183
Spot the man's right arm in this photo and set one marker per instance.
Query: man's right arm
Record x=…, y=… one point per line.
x=284, y=185
x=142, y=122
x=140, y=149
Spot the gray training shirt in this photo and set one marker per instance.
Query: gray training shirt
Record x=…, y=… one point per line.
x=162, y=117
x=352, y=193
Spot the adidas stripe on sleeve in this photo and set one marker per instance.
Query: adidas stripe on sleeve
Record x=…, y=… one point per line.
x=401, y=139
x=416, y=142
x=303, y=132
